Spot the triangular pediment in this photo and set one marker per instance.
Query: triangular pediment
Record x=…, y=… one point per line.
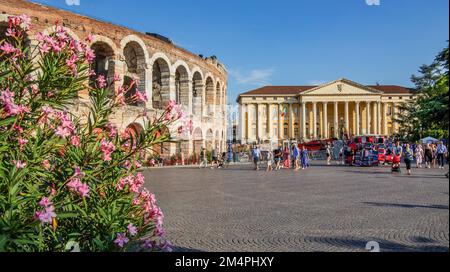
x=342, y=87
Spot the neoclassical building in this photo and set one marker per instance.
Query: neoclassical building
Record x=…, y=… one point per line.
x=303, y=113
x=162, y=70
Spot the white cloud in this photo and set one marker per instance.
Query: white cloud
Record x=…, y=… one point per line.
x=254, y=77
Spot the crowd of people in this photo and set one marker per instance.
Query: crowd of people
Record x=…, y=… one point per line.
x=279, y=158
x=297, y=158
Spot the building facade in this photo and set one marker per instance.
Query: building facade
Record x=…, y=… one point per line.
x=162, y=70
x=331, y=110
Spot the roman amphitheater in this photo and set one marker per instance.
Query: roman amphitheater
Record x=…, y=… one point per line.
x=163, y=71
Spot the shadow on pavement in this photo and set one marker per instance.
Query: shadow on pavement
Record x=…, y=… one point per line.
x=409, y=206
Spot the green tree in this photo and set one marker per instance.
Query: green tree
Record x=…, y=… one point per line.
x=428, y=115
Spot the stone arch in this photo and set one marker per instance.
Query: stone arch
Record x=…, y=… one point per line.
x=162, y=149
x=135, y=130
x=134, y=53
x=105, y=59
x=209, y=95
x=161, y=83
x=182, y=78
x=197, y=93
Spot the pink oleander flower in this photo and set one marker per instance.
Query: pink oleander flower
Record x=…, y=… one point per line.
x=19, y=164
x=78, y=173
x=137, y=183
x=25, y=21
x=75, y=185
x=47, y=110
x=107, y=148
x=112, y=130
x=48, y=213
x=89, y=55
x=141, y=97
x=101, y=81
x=171, y=105
x=89, y=38
x=127, y=164
x=18, y=128
x=44, y=48
x=63, y=132
x=22, y=142
x=46, y=164
x=7, y=48
x=132, y=230
x=83, y=190
x=75, y=141
x=121, y=240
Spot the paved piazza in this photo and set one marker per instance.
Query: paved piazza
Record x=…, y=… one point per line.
x=321, y=209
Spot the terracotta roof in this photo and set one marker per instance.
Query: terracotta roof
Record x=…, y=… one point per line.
x=293, y=90
x=392, y=89
x=287, y=90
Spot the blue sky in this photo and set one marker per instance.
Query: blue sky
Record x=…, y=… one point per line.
x=291, y=42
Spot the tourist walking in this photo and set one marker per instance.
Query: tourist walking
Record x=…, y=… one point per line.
x=305, y=158
x=397, y=151
x=269, y=161
x=419, y=155
x=286, y=162
x=214, y=158
x=256, y=155
x=328, y=151
x=203, y=158
x=408, y=157
x=441, y=151
x=428, y=156
x=295, y=157
x=278, y=156
x=434, y=153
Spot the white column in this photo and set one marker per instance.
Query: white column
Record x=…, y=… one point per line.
x=269, y=122
x=385, y=124
x=395, y=115
x=336, y=119
x=291, y=121
x=358, y=119
x=347, y=123
x=243, y=126
x=304, y=120
x=325, y=120
x=149, y=88
x=379, y=118
x=314, y=126
x=280, y=127
x=259, y=122
x=368, y=121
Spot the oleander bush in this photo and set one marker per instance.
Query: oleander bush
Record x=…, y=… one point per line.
x=66, y=182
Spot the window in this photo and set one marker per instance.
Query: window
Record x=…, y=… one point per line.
x=254, y=98
x=390, y=97
x=400, y=98
x=264, y=98
x=275, y=98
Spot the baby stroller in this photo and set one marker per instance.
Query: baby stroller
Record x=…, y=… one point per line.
x=396, y=164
